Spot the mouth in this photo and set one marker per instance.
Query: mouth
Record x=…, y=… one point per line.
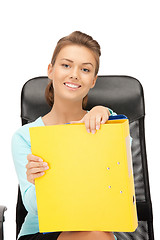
x=72, y=86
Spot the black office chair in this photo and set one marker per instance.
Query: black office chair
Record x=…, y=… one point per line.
x=124, y=95
x=2, y=210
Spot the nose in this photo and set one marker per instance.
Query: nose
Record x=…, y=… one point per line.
x=74, y=74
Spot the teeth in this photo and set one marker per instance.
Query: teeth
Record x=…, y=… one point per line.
x=70, y=85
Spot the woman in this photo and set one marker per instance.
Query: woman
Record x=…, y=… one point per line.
x=73, y=72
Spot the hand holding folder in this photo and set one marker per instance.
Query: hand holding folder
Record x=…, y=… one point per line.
x=89, y=185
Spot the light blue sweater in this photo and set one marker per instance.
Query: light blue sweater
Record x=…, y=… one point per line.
x=21, y=147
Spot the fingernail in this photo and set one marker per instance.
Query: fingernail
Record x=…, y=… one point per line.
x=40, y=159
x=93, y=131
x=103, y=122
x=88, y=130
x=97, y=127
x=45, y=164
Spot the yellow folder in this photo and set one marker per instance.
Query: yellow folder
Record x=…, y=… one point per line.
x=89, y=185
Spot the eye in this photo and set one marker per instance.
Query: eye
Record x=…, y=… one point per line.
x=65, y=65
x=85, y=70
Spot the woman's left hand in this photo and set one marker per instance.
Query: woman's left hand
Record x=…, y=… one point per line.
x=96, y=116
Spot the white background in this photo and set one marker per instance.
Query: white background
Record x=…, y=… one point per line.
x=128, y=32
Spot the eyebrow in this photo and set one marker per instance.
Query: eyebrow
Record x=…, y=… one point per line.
x=72, y=61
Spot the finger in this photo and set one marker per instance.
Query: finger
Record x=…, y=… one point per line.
x=32, y=164
x=104, y=119
x=31, y=157
x=37, y=175
x=108, y=113
x=37, y=170
x=93, y=124
x=98, y=122
x=87, y=124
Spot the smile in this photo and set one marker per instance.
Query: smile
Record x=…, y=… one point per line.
x=71, y=86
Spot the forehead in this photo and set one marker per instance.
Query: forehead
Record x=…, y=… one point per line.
x=77, y=53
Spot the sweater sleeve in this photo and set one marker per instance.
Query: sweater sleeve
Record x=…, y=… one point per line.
x=20, y=149
x=111, y=112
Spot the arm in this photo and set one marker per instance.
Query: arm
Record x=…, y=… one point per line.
x=95, y=117
x=20, y=149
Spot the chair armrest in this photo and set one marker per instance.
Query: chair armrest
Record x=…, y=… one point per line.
x=2, y=210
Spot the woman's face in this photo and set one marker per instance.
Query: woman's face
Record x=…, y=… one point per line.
x=74, y=65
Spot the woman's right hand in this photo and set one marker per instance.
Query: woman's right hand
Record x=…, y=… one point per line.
x=35, y=167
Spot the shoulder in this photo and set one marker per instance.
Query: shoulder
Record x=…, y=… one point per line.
x=22, y=134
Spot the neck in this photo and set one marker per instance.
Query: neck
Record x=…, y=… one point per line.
x=64, y=112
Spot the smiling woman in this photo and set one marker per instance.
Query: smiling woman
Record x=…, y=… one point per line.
x=72, y=73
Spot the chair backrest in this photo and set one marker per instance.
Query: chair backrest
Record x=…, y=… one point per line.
x=124, y=95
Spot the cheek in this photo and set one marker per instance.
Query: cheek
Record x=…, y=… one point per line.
x=59, y=74
x=59, y=77
x=88, y=80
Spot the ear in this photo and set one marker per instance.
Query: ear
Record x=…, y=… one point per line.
x=94, y=81
x=50, y=69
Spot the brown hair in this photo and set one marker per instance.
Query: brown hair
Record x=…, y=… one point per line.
x=77, y=38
